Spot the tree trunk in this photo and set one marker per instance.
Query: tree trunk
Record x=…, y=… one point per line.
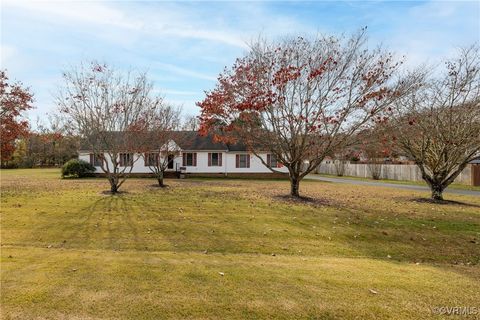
x=113, y=185
x=340, y=167
x=294, y=186
x=160, y=182
x=437, y=192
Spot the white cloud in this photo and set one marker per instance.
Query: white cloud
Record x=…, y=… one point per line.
x=177, y=92
x=183, y=71
x=217, y=36
x=431, y=31
x=87, y=13
x=74, y=11
x=437, y=9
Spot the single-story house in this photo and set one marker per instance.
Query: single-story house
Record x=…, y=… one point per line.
x=195, y=154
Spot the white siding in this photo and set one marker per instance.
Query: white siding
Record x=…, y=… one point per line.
x=256, y=166
x=138, y=166
x=228, y=164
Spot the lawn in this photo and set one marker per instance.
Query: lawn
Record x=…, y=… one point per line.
x=231, y=249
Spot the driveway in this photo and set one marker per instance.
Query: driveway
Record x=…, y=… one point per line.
x=389, y=185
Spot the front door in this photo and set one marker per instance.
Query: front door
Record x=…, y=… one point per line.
x=171, y=157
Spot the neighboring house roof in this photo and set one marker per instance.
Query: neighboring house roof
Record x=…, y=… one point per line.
x=186, y=140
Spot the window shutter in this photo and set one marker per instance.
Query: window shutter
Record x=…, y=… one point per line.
x=184, y=159
x=194, y=159
x=121, y=159
x=237, y=161
x=269, y=160
x=209, y=159
x=220, y=159
x=146, y=160
x=92, y=159
x=248, y=161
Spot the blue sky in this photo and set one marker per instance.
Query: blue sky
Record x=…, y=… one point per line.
x=184, y=45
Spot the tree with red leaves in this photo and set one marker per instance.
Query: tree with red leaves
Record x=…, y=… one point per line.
x=14, y=100
x=300, y=99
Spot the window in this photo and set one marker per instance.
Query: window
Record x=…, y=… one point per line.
x=96, y=160
x=242, y=161
x=190, y=159
x=151, y=159
x=214, y=159
x=126, y=159
x=272, y=161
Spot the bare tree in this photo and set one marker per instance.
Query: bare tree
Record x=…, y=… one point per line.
x=374, y=162
x=300, y=99
x=191, y=123
x=162, y=134
x=376, y=146
x=438, y=125
x=111, y=112
x=340, y=164
x=341, y=158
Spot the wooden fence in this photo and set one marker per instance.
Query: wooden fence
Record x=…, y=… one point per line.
x=407, y=172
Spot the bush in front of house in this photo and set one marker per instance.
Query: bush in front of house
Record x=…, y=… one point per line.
x=77, y=169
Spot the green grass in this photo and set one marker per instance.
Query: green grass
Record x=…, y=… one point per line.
x=70, y=252
x=457, y=186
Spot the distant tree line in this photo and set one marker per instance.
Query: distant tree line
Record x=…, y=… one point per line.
x=43, y=150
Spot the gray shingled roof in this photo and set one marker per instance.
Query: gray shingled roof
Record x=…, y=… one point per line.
x=192, y=140
x=186, y=140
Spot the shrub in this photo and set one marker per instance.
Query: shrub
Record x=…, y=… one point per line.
x=77, y=168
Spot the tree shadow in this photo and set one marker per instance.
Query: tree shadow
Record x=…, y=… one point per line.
x=443, y=202
x=157, y=186
x=317, y=202
x=110, y=193
x=109, y=215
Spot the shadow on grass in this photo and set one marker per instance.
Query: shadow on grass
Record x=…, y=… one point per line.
x=157, y=186
x=101, y=217
x=443, y=202
x=110, y=193
x=317, y=202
